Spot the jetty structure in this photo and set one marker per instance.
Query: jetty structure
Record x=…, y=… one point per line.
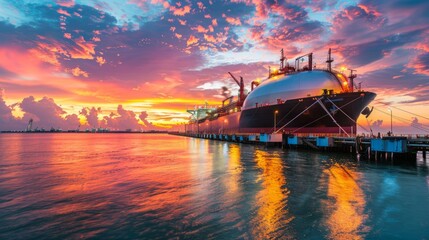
x=299, y=105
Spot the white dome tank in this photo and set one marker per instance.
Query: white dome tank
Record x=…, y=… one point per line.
x=297, y=85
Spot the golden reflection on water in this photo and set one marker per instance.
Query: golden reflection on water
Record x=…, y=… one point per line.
x=272, y=198
x=232, y=182
x=345, y=212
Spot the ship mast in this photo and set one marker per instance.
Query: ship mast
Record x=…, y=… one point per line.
x=282, y=60
x=329, y=60
x=352, y=77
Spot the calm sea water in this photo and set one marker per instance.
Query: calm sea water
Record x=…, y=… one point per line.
x=128, y=186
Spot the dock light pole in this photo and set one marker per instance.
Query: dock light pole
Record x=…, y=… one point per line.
x=391, y=120
x=275, y=120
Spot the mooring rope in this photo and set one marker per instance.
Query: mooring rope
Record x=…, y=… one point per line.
x=404, y=120
x=326, y=114
x=347, y=115
x=295, y=117
x=416, y=115
x=333, y=119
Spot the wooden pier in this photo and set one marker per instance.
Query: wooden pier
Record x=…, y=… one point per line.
x=384, y=148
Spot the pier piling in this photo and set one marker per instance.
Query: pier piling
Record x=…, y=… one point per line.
x=387, y=148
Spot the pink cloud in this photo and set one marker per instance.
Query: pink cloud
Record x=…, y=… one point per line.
x=45, y=113
x=180, y=11
x=182, y=22
x=24, y=62
x=66, y=3
x=233, y=21
x=7, y=120
x=63, y=12
x=201, y=5
x=124, y=119
x=355, y=20
x=91, y=116
x=420, y=63
x=67, y=35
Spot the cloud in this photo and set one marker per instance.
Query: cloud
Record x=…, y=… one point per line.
x=143, y=117
x=192, y=40
x=47, y=114
x=77, y=72
x=91, y=116
x=356, y=21
x=377, y=123
x=93, y=53
x=7, y=120
x=180, y=11
x=66, y=3
x=368, y=52
x=124, y=119
x=420, y=63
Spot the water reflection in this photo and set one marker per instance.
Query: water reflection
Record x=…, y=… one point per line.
x=232, y=181
x=143, y=186
x=345, y=208
x=273, y=215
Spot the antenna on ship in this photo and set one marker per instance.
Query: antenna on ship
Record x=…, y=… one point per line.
x=352, y=77
x=329, y=60
x=282, y=60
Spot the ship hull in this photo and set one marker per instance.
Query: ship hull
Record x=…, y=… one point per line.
x=320, y=114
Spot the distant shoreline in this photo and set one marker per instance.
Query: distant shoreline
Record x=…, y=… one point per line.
x=133, y=132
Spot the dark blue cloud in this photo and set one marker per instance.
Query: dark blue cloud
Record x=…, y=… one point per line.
x=362, y=54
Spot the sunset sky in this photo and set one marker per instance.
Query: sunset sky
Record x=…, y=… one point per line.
x=140, y=64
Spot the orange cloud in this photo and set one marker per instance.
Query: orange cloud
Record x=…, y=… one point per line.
x=200, y=29
x=67, y=35
x=192, y=40
x=209, y=38
x=180, y=11
x=100, y=60
x=233, y=21
x=77, y=72
x=85, y=49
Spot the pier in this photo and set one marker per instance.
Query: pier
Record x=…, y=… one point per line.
x=371, y=148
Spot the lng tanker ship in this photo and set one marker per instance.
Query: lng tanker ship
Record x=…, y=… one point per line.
x=291, y=100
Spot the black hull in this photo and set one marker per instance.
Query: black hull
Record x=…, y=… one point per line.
x=304, y=115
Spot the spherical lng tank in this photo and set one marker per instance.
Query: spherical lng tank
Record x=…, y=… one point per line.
x=293, y=86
